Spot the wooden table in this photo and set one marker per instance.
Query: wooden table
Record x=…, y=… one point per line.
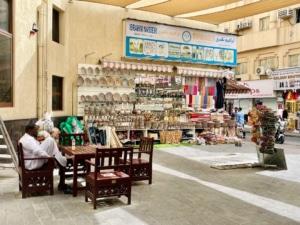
x=79, y=153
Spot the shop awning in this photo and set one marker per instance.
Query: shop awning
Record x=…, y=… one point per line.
x=234, y=87
x=121, y=3
x=244, y=11
x=178, y=7
x=210, y=11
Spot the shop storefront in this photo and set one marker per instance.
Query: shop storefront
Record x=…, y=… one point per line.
x=287, y=87
x=261, y=90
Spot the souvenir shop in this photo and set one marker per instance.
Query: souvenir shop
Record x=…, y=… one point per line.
x=171, y=101
x=168, y=103
x=287, y=87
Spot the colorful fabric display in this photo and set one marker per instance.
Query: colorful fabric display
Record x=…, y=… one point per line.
x=195, y=90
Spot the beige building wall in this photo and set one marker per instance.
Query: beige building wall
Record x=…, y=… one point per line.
x=85, y=28
x=280, y=40
x=25, y=61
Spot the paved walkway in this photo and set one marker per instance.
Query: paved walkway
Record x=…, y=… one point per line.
x=185, y=190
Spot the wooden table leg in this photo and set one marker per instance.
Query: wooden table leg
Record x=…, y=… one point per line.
x=75, y=176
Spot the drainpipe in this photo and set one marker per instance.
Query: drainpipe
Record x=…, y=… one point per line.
x=42, y=63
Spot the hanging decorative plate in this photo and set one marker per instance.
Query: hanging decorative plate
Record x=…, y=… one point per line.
x=97, y=70
x=131, y=83
x=102, y=81
x=132, y=97
x=80, y=81
x=109, y=97
x=125, y=98
x=111, y=65
x=95, y=82
x=101, y=97
x=90, y=71
x=116, y=97
x=122, y=66
x=88, y=98
x=95, y=98
x=128, y=66
x=87, y=82
x=83, y=70
x=124, y=82
x=118, y=82
x=82, y=98
x=110, y=81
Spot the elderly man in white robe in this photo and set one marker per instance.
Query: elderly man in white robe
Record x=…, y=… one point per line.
x=33, y=148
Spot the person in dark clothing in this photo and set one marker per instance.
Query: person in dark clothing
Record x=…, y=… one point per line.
x=285, y=114
x=221, y=88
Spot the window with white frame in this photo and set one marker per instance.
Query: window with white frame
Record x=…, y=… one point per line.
x=269, y=62
x=264, y=23
x=294, y=60
x=241, y=68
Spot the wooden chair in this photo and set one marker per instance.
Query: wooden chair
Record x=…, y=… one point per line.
x=35, y=181
x=66, y=140
x=142, y=166
x=108, y=179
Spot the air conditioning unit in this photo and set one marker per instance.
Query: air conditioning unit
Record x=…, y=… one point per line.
x=244, y=25
x=269, y=72
x=285, y=13
x=260, y=71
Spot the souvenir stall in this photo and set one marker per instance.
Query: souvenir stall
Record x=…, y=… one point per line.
x=151, y=100
x=263, y=121
x=287, y=86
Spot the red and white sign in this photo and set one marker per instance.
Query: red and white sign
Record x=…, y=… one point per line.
x=259, y=89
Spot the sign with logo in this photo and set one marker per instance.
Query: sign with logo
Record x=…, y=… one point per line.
x=164, y=42
x=286, y=73
x=259, y=89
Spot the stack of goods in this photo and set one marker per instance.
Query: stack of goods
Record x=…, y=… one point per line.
x=170, y=137
x=209, y=137
x=263, y=121
x=254, y=120
x=231, y=128
x=268, y=121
